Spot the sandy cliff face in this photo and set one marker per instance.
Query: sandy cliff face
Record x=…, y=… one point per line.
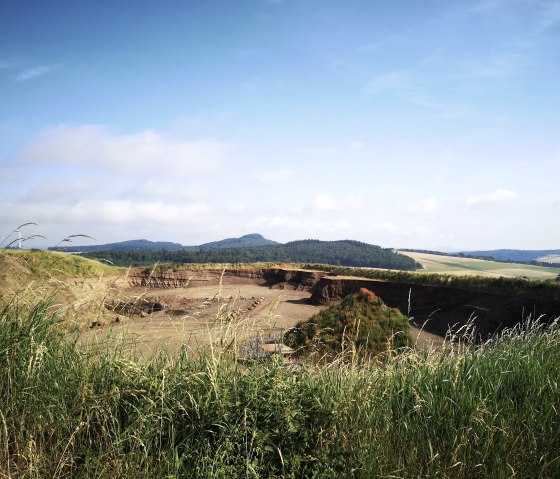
x=271, y=277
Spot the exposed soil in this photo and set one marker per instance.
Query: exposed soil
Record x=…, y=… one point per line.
x=196, y=307
x=441, y=309
x=198, y=315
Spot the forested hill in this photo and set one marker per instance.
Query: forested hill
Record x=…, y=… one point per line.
x=139, y=244
x=343, y=253
x=249, y=240
x=246, y=241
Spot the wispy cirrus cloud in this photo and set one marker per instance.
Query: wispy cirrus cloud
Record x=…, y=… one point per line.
x=549, y=18
x=494, y=198
x=34, y=72
x=399, y=84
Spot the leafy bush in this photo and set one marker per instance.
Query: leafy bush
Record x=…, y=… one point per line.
x=362, y=322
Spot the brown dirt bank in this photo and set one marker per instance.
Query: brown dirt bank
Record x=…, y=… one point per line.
x=272, y=277
x=437, y=308
x=440, y=308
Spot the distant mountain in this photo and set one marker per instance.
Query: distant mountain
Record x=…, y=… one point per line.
x=344, y=253
x=249, y=240
x=518, y=255
x=139, y=244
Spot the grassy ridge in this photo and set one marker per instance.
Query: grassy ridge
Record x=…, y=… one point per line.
x=487, y=412
x=40, y=263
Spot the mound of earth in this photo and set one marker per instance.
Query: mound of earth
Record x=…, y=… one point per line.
x=361, y=322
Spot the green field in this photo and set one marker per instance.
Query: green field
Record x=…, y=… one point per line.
x=453, y=265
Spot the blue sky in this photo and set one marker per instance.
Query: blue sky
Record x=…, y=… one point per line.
x=406, y=124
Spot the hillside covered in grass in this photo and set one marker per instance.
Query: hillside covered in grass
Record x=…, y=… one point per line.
x=345, y=253
x=490, y=411
x=37, y=263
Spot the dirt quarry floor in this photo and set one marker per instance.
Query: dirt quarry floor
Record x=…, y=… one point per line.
x=199, y=305
x=198, y=315
x=174, y=306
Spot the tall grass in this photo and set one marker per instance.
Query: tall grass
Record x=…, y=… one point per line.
x=490, y=411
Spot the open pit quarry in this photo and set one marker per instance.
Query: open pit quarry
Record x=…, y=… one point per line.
x=195, y=306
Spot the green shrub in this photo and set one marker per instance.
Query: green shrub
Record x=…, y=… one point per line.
x=361, y=322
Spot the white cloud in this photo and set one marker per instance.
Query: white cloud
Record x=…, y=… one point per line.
x=324, y=202
x=97, y=146
x=35, y=72
x=122, y=212
x=301, y=225
x=343, y=225
x=108, y=185
x=353, y=202
x=384, y=227
x=166, y=189
x=429, y=206
x=493, y=198
x=318, y=151
x=272, y=175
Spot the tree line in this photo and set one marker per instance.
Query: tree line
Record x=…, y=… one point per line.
x=339, y=253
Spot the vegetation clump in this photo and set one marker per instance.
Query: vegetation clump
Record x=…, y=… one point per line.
x=361, y=322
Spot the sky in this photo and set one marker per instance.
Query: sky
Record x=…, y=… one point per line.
x=430, y=124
